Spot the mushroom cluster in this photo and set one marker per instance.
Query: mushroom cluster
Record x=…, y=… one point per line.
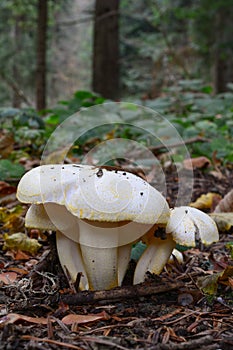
x=99, y=213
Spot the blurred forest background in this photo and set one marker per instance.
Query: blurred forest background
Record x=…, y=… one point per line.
x=116, y=48
x=173, y=56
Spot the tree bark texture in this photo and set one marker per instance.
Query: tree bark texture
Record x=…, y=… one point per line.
x=106, y=48
x=223, y=60
x=16, y=99
x=41, y=54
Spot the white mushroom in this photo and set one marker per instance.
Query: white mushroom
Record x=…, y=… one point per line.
x=98, y=213
x=185, y=226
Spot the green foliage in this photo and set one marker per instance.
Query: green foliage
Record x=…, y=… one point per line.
x=9, y=170
x=27, y=127
x=195, y=112
x=80, y=99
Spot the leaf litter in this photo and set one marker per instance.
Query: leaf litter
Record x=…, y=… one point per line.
x=196, y=314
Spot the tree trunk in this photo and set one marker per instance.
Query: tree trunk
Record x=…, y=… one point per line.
x=223, y=62
x=16, y=99
x=41, y=54
x=106, y=49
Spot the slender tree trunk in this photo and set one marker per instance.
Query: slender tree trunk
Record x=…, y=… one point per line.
x=223, y=61
x=41, y=54
x=106, y=48
x=16, y=99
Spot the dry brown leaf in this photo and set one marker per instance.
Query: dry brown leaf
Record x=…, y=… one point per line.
x=6, y=144
x=199, y=163
x=226, y=204
x=78, y=319
x=8, y=277
x=12, y=318
x=17, y=270
x=6, y=189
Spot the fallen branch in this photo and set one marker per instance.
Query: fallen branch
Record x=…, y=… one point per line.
x=155, y=149
x=119, y=293
x=191, y=344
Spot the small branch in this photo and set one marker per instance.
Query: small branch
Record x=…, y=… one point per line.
x=192, y=344
x=155, y=149
x=126, y=292
x=13, y=85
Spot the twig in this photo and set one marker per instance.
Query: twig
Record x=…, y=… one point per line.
x=14, y=86
x=192, y=344
x=155, y=149
x=126, y=292
x=100, y=340
x=51, y=341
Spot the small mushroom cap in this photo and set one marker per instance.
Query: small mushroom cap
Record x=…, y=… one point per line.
x=94, y=193
x=186, y=224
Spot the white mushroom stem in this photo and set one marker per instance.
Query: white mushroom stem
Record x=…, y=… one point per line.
x=105, y=262
x=154, y=258
x=101, y=267
x=124, y=253
x=71, y=259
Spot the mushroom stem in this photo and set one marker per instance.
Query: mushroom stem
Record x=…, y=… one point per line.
x=71, y=259
x=99, y=246
x=154, y=258
x=124, y=253
x=101, y=267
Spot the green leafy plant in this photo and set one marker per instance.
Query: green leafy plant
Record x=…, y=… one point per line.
x=9, y=170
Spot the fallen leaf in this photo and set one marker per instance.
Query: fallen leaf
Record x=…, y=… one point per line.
x=224, y=221
x=209, y=284
x=19, y=255
x=17, y=270
x=199, y=163
x=206, y=201
x=12, y=218
x=226, y=204
x=12, y=318
x=20, y=241
x=226, y=275
x=8, y=277
x=5, y=188
x=78, y=319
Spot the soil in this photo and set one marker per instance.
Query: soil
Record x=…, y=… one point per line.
x=167, y=312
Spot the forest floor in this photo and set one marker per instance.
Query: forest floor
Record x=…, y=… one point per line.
x=169, y=311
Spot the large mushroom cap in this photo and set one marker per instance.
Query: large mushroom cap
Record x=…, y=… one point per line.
x=94, y=193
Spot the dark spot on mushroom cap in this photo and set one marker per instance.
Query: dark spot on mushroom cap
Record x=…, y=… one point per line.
x=186, y=211
x=124, y=174
x=75, y=165
x=52, y=167
x=141, y=193
x=54, y=179
x=99, y=173
x=63, y=167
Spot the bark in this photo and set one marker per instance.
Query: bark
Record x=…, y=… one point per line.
x=41, y=54
x=106, y=48
x=223, y=63
x=16, y=98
